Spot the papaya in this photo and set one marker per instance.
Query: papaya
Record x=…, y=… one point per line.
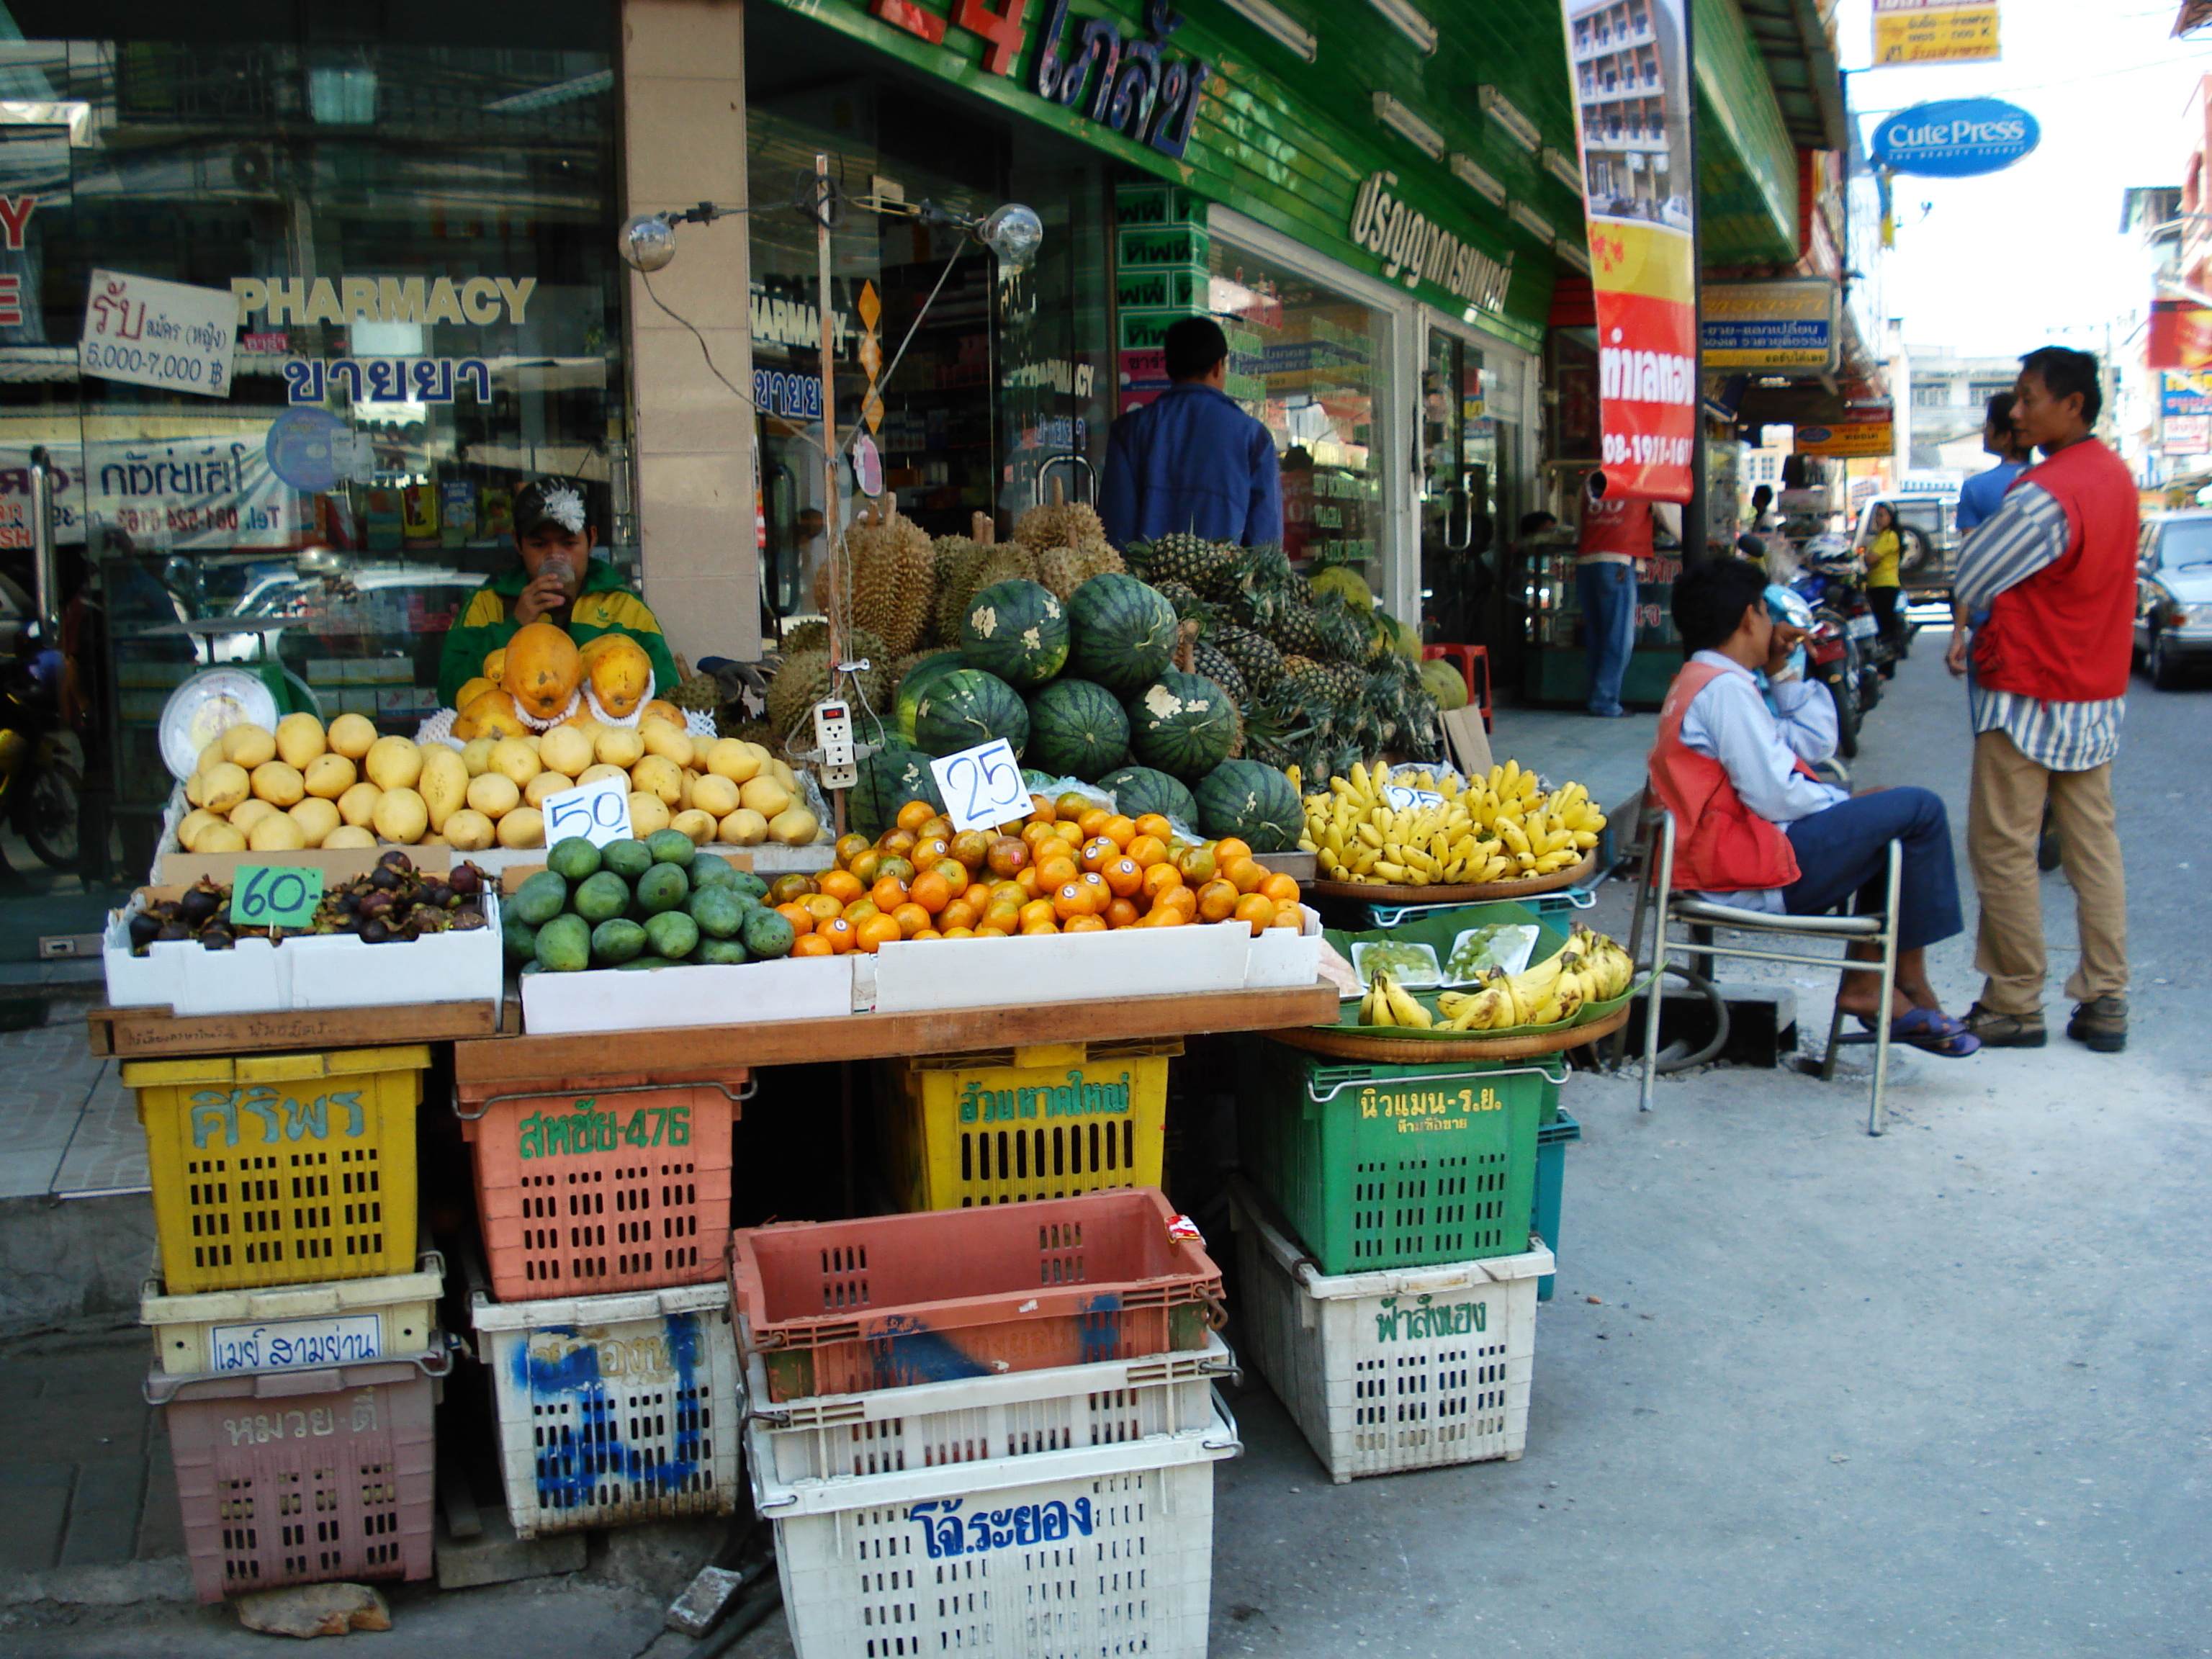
x=620, y=672
x=543, y=670
x=492, y=714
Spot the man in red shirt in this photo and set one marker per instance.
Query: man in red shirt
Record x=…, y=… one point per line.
x=2055, y=568
x=1615, y=542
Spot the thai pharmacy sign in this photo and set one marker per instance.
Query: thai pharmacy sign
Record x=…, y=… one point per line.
x=1412, y=248
x=164, y=335
x=1959, y=139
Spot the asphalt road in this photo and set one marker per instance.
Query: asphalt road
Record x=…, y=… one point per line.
x=1808, y=1393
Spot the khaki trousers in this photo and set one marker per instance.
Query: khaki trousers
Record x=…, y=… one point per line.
x=2004, y=818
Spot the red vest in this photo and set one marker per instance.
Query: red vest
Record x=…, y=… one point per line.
x=1615, y=526
x=2067, y=633
x=1720, y=845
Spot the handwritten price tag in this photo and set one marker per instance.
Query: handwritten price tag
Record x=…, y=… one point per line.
x=275, y=896
x=1402, y=798
x=599, y=812
x=982, y=786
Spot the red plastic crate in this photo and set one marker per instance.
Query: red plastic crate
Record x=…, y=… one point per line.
x=849, y=1307
x=301, y=1477
x=590, y=1185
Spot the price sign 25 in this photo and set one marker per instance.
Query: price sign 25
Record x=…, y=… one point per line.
x=982, y=786
x=275, y=896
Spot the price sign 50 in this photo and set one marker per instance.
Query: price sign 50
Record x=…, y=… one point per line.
x=982, y=786
x=599, y=812
x=275, y=896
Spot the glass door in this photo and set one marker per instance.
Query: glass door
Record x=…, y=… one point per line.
x=1466, y=490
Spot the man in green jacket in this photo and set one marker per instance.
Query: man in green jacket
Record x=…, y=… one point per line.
x=556, y=579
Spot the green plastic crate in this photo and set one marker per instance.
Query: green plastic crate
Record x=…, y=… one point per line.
x=1551, y=1183
x=1394, y=1166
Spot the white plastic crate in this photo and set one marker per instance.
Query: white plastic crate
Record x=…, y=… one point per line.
x=1105, y=1551
x=291, y=1327
x=1409, y=1368
x=831, y=1438
x=614, y=1409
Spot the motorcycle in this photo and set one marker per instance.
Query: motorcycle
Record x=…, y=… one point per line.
x=39, y=787
x=1831, y=579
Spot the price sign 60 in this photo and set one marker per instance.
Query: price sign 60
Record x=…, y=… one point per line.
x=275, y=896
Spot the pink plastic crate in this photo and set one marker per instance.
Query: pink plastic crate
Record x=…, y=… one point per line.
x=299, y=1477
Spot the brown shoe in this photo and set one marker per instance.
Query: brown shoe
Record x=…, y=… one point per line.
x=2103, y=1025
x=1998, y=1030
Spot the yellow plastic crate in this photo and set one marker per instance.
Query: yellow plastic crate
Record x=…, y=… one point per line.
x=1053, y=1120
x=281, y=1168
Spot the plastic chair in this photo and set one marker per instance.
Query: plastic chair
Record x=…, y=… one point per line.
x=1703, y=916
x=1468, y=657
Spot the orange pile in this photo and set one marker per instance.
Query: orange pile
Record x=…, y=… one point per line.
x=1072, y=867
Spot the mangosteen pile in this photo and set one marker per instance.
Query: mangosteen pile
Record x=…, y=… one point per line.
x=392, y=904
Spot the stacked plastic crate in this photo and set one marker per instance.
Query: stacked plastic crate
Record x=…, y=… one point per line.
x=296, y=1357
x=989, y=1429
x=605, y=1207
x=1387, y=1276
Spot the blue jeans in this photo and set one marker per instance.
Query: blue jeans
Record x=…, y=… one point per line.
x=1608, y=592
x=1845, y=851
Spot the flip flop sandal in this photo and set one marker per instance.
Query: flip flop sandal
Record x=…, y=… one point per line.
x=1931, y=1032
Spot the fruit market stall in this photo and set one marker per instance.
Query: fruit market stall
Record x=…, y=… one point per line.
x=1204, y=874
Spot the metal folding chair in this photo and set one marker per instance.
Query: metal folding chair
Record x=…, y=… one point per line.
x=1703, y=916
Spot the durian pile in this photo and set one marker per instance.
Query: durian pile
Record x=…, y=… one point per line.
x=910, y=594
x=1322, y=676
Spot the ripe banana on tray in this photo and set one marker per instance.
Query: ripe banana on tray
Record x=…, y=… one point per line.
x=1588, y=968
x=1502, y=828
x=1389, y=1003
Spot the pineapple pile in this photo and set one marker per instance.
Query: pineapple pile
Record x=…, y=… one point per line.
x=1321, y=676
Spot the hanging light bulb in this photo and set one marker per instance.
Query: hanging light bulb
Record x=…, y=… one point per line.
x=1013, y=233
x=647, y=242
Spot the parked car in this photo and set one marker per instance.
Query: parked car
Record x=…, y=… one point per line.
x=342, y=599
x=2173, y=596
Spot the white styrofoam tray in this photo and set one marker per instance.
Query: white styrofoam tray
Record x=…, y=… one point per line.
x=914, y=976
x=309, y=970
x=1108, y=1550
x=1404, y=1368
x=649, y=999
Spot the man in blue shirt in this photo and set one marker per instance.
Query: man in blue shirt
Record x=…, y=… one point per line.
x=1983, y=494
x=1191, y=461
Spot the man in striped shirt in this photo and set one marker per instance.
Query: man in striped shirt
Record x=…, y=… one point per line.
x=2054, y=567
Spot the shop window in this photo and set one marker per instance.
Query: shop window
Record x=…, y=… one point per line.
x=418, y=240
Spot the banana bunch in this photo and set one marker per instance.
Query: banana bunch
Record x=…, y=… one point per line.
x=1589, y=968
x=1503, y=827
x=1389, y=1003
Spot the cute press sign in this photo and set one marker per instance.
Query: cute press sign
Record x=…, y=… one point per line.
x=1959, y=139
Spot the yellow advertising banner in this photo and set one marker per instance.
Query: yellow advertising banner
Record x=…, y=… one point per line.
x=1855, y=440
x=1934, y=32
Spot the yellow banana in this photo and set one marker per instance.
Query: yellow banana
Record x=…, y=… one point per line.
x=1403, y=1008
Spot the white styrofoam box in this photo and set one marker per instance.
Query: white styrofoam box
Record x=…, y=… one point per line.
x=650, y=998
x=1409, y=1368
x=1283, y=957
x=1131, y=962
x=614, y=1409
x=308, y=970
x=293, y=1327
x=1105, y=1551
x=828, y=1440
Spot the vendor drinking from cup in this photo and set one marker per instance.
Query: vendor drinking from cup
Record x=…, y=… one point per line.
x=555, y=580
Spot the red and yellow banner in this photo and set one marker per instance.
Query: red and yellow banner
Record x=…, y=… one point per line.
x=1627, y=68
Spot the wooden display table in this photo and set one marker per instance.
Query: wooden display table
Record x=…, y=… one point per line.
x=524, y=1060
x=157, y=1033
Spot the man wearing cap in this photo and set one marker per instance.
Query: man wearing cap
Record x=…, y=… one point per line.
x=555, y=579
x=1191, y=462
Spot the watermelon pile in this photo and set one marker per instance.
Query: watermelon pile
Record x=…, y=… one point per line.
x=1079, y=678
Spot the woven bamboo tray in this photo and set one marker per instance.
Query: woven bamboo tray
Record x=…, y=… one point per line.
x=1476, y=892
x=1421, y=1051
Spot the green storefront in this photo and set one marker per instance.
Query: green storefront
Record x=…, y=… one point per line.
x=1378, y=238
